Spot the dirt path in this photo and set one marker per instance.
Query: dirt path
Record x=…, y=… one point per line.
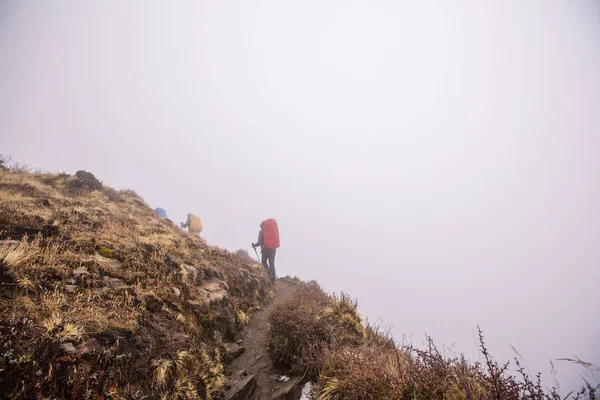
x=255, y=338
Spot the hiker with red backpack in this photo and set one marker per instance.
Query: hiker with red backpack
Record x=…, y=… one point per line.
x=268, y=240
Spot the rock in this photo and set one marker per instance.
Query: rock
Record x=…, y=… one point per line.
x=46, y=203
x=239, y=341
x=233, y=351
x=290, y=390
x=188, y=273
x=225, y=322
x=112, y=265
x=80, y=271
x=242, y=389
x=70, y=281
x=68, y=347
x=242, y=373
x=176, y=291
x=213, y=291
x=86, y=180
x=212, y=294
x=194, y=303
x=70, y=288
x=88, y=347
x=115, y=283
x=217, y=284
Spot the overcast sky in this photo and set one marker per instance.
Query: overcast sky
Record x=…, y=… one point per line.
x=438, y=160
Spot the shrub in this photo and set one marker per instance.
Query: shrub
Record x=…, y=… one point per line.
x=308, y=321
x=376, y=370
x=243, y=254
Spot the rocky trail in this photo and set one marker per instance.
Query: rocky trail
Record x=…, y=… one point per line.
x=252, y=374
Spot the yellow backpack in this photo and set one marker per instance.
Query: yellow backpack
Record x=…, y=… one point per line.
x=195, y=224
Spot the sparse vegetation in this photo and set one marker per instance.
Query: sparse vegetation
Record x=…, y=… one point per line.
x=102, y=298
x=243, y=254
x=322, y=337
x=307, y=323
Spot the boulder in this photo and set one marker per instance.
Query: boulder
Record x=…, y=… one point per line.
x=213, y=291
x=225, y=322
x=213, y=294
x=233, y=351
x=86, y=180
x=242, y=389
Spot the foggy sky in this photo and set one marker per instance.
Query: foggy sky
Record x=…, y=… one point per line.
x=437, y=160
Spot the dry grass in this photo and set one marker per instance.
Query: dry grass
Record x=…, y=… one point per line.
x=14, y=255
x=307, y=322
x=322, y=337
x=48, y=231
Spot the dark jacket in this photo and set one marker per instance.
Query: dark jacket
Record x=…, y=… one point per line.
x=260, y=241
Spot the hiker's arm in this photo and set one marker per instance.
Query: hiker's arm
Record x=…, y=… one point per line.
x=187, y=223
x=260, y=240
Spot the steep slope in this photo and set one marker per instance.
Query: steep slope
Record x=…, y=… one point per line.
x=102, y=298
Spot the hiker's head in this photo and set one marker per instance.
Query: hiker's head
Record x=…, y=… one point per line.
x=189, y=215
x=261, y=224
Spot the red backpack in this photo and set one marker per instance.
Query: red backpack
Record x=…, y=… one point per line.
x=270, y=234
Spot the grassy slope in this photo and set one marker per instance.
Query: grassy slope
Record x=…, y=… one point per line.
x=143, y=327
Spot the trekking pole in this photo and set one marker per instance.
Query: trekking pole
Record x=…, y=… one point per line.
x=257, y=257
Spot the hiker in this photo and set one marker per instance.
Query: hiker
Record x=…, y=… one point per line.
x=161, y=212
x=193, y=224
x=268, y=240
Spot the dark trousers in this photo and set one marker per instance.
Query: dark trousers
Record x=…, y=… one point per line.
x=268, y=260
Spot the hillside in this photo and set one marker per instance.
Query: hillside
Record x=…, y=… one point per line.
x=102, y=298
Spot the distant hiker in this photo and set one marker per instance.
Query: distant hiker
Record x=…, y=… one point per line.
x=268, y=240
x=193, y=224
x=161, y=212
